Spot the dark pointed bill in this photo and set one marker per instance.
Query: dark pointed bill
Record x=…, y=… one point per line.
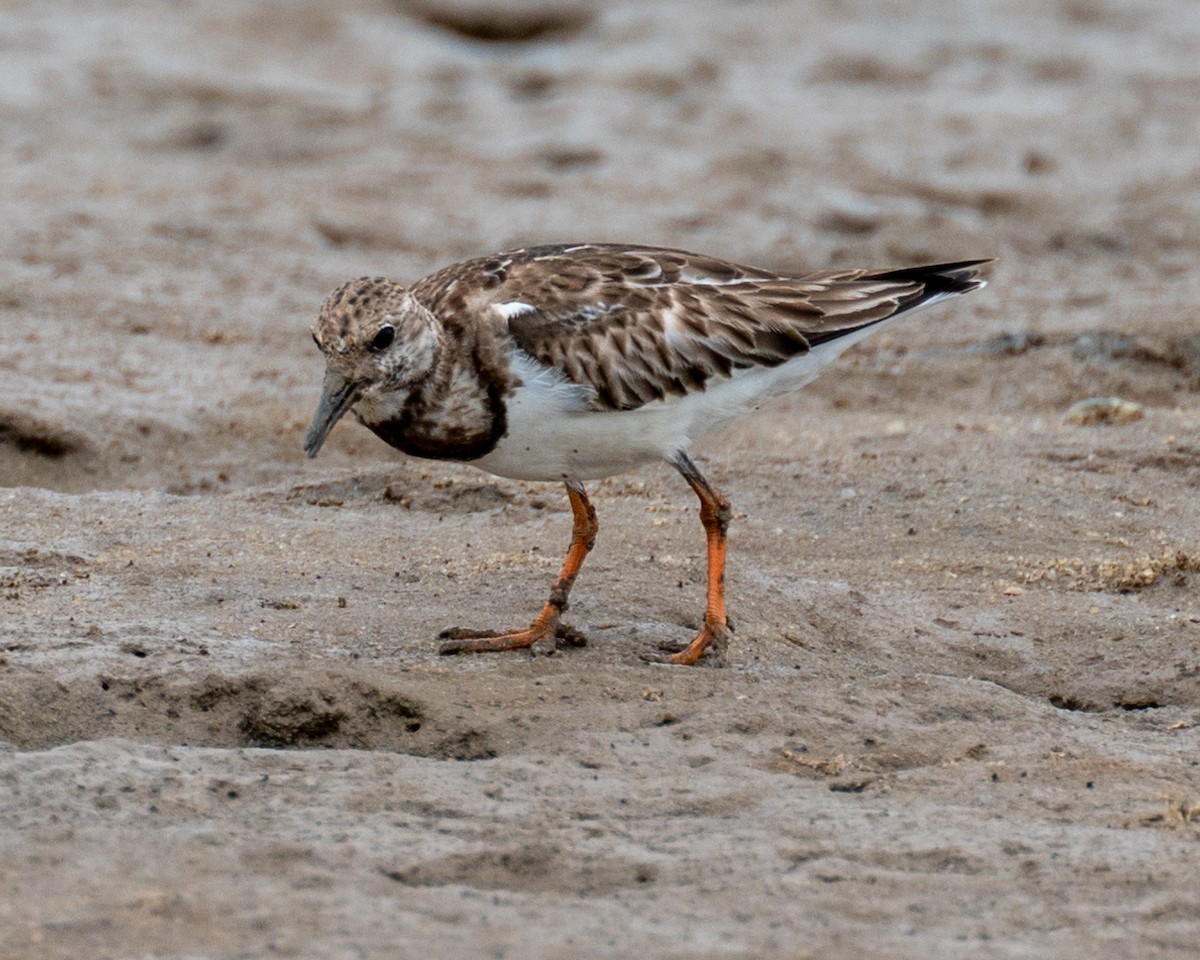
x=337, y=396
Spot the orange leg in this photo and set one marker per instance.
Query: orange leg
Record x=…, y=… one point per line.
x=714, y=514
x=546, y=625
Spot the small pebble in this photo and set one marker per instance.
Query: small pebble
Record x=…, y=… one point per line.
x=1096, y=410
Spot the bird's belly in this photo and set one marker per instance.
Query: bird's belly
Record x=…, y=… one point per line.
x=552, y=436
x=581, y=445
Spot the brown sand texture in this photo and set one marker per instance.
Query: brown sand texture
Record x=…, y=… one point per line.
x=961, y=716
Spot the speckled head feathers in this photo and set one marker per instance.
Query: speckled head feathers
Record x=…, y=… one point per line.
x=355, y=311
x=377, y=339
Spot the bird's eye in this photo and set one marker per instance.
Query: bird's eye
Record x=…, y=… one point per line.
x=383, y=339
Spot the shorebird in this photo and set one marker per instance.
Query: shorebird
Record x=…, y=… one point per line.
x=575, y=362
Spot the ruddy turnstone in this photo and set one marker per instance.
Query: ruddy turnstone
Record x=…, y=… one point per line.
x=575, y=362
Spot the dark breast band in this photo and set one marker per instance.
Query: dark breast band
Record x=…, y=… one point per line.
x=421, y=436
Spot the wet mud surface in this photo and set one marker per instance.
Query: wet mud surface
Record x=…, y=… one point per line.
x=961, y=709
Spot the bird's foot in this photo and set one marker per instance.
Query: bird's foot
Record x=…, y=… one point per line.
x=711, y=643
x=555, y=635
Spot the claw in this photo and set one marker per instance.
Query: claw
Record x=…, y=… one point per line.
x=466, y=633
x=462, y=640
x=711, y=644
x=490, y=641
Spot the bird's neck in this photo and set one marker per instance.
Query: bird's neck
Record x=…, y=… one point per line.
x=458, y=411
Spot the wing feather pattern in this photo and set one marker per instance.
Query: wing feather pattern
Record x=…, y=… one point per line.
x=637, y=324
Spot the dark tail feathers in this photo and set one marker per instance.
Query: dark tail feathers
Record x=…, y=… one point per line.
x=960, y=277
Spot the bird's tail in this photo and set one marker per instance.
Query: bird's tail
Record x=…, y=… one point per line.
x=937, y=280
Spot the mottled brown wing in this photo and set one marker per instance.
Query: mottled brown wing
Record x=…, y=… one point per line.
x=636, y=324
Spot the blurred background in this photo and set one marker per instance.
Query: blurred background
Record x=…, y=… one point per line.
x=184, y=183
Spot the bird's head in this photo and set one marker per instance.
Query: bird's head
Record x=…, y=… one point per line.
x=378, y=342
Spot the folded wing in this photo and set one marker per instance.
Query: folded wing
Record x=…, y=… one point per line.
x=637, y=324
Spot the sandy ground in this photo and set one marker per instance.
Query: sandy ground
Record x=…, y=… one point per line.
x=962, y=709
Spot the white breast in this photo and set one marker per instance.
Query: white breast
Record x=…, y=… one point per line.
x=552, y=435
